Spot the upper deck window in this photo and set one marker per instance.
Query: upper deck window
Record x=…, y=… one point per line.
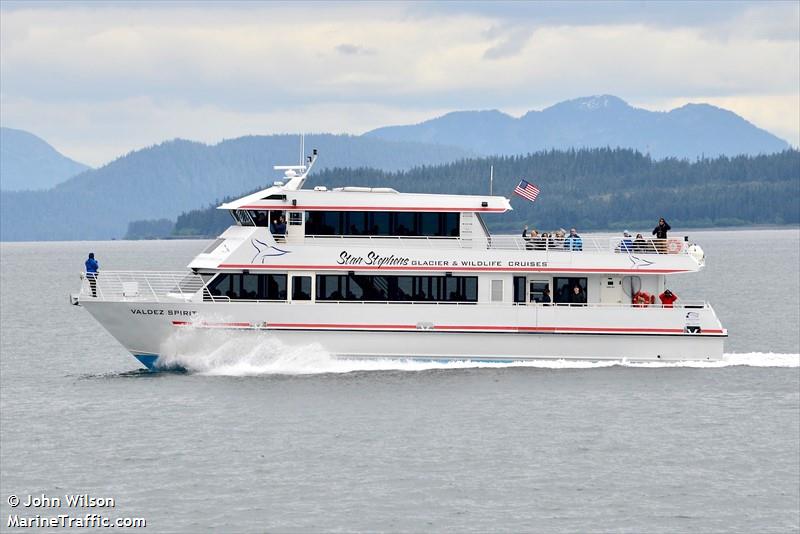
x=242, y=217
x=383, y=223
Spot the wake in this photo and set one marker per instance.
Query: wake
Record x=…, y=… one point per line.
x=218, y=353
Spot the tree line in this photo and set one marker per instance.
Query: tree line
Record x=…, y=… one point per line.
x=591, y=189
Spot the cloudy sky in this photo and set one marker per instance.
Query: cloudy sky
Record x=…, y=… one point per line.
x=100, y=79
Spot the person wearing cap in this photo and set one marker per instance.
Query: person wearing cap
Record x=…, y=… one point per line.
x=667, y=298
x=626, y=245
x=574, y=241
x=92, y=268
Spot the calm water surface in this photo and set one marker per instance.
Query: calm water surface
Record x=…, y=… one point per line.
x=269, y=441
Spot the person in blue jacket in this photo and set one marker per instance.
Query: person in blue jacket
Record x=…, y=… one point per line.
x=92, y=268
x=626, y=245
x=573, y=241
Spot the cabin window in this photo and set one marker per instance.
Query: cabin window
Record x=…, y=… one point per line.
x=405, y=224
x=260, y=217
x=244, y=218
x=520, y=295
x=536, y=290
x=249, y=286
x=380, y=223
x=383, y=223
x=301, y=288
x=497, y=291
x=295, y=218
x=384, y=288
x=564, y=288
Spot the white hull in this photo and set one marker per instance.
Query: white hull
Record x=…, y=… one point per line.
x=440, y=332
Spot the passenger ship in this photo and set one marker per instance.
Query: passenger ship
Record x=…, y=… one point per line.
x=374, y=273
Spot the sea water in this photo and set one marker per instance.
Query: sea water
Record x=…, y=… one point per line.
x=258, y=437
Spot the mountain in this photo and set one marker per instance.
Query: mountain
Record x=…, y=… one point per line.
x=691, y=131
x=27, y=162
x=591, y=189
x=164, y=180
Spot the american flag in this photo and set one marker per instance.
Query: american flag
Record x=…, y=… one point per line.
x=527, y=190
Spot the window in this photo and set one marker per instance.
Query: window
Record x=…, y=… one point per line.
x=383, y=288
x=242, y=217
x=249, y=286
x=301, y=288
x=295, y=218
x=260, y=217
x=383, y=223
x=520, y=295
x=565, y=292
x=536, y=290
x=497, y=291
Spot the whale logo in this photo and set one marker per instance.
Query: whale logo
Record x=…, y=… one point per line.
x=265, y=250
x=639, y=262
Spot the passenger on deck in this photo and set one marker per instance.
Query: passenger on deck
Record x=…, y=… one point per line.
x=667, y=298
x=547, y=300
x=578, y=296
x=626, y=245
x=640, y=245
x=92, y=268
x=545, y=242
x=280, y=226
x=574, y=241
x=525, y=232
x=660, y=231
x=532, y=237
x=558, y=240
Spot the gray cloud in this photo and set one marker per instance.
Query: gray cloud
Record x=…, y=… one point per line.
x=150, y=70
x=348, y=49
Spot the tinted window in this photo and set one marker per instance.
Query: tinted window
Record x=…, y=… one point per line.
x=397, y=288
x=405, y=224
x=356, y=223
x=301, y=288
x=380, y=223
x=563, y=287
x=519, y=289
x=260, y=217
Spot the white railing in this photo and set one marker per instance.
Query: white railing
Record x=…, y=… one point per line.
x=591, y=244
x=155, y=286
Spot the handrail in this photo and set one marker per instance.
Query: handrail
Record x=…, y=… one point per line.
x=155, y=286
x=590, y=244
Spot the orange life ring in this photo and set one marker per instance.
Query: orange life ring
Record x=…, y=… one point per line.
x=641, y=299
x=674, y=246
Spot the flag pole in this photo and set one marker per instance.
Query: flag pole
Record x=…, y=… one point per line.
x=491, y=179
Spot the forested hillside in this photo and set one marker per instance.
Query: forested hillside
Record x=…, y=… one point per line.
x=591, y=189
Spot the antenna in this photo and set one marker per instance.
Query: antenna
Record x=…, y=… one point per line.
x=491, y=179
x=302, y=148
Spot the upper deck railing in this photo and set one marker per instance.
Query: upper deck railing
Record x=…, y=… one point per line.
x=589, y=244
